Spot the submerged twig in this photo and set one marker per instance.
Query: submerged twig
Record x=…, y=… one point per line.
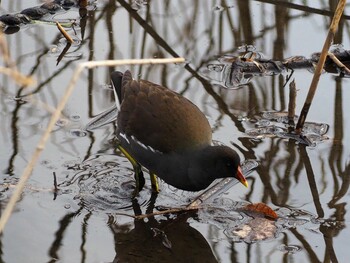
x=176, y=210
x=168, y=211
x=223, y=185
x=56, y=115
x=212, y=192
x=313, y=86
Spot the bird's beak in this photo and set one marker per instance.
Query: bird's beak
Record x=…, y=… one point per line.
x=240, y=177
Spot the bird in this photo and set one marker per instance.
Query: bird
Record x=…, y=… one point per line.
x=167, y=134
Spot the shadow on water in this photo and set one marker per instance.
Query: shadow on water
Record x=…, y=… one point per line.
x=306, y=186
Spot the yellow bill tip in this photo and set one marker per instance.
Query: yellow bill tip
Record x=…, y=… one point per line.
x=240, y=177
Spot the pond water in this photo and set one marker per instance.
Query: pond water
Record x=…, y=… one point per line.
x=85, y=221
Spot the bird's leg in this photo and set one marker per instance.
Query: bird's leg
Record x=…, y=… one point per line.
x=139, y=178
x=154, y=182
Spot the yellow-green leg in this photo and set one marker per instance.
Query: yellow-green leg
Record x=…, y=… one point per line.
x=154, y=182
x=139, y=178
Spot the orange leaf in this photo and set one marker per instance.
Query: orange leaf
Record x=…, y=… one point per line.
x=261, y=208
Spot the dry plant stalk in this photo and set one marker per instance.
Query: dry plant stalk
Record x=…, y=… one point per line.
x=64, y=33
x=55, y=116
x=313, y=86
x=291, y=105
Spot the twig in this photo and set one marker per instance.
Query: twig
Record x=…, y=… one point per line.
x=124, y=214
x=313, y=86
x=55, y=190
x=168, y=211
x=213, y=191
x=64, y=33
x=291, y=105
x=55, y=181
x=163, y=212
x=55, y=116
x=338, y=62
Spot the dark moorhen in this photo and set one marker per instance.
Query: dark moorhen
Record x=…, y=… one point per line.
x=167, y=134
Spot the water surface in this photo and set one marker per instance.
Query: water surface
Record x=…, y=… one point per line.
x=307, y=186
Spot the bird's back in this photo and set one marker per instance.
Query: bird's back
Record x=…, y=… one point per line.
x=158, y=117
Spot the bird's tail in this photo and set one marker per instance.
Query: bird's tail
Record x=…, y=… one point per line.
x=116, y=78
x=119, y=81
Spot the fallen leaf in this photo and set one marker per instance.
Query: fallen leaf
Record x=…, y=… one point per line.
x=260, y=208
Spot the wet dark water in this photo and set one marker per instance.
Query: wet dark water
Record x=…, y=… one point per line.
x=307, y=186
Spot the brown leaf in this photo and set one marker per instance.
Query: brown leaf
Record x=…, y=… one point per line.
x=262, y=209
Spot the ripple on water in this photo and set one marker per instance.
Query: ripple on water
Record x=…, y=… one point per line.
x=77, y=133
x=103, y=184
x=289, y=249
